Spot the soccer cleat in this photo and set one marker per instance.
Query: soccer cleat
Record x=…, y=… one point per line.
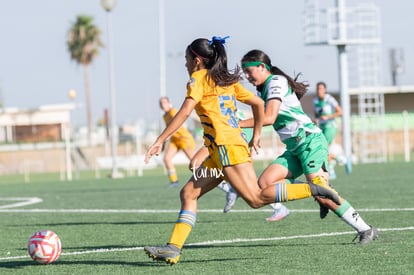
x=174, y=184
x=168, y=253
x=231, y=198
x=323, y=211
x=367, y=236
x=279, y=214
x=319, y=187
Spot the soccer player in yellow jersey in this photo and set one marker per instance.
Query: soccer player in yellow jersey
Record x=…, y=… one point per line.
x=180, y=140
x=212, y=91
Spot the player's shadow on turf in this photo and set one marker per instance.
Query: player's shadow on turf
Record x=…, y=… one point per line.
x=103, y=262
x=142, y=263
x=16, y=264
x=233, y=260
x=278, y=244
x=69, y=249
x=22, y=264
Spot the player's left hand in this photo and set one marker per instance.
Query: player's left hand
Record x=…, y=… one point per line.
x=154, y=149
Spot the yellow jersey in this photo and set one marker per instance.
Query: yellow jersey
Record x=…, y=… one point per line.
x=216, y=107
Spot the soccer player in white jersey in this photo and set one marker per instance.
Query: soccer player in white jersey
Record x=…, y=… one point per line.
x=326, y=109
x=306, y=147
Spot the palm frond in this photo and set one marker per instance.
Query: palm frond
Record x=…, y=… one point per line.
x=83, y=40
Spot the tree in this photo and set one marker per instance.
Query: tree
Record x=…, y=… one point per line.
x=83, y=44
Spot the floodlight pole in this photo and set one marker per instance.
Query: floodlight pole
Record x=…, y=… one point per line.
x=108, y=5
x=161, y=26
x=337, y=34
x=346, y=108
x=161, y=33
x=343, y=84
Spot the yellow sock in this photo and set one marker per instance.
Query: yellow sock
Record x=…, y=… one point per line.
x=182, y=228
x=172, y=175
x=290, y=192
x=298, y=191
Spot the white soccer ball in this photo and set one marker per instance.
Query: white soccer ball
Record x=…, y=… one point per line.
x=44, y=247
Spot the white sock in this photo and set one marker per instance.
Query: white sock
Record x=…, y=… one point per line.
x=351, y=217
x=224, y=186
x=276, y=205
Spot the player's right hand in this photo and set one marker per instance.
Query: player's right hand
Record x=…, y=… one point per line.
x=154, y=149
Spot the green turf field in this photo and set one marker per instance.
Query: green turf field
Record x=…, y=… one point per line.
x=104, y=224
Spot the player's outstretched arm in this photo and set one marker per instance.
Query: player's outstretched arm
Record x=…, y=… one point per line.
x=186, y=108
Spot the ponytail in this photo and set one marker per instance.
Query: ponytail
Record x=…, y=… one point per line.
x=214, y=57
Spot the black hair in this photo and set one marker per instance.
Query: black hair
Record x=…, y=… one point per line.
x=299, y=88
x=321, y=83
x=214, y=57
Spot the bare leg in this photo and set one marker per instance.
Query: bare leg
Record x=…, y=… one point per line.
x=244, y=181
x=170, y=152
x=196, y=187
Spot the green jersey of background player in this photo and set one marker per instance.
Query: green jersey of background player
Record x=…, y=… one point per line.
x=326, y=109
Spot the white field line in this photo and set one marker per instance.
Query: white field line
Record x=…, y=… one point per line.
x=21, y=201
x=215, y=242
x=149, y=211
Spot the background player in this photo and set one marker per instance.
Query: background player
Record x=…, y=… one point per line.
x=326, y=109
x=180, y=140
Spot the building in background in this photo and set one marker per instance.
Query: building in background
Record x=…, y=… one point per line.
x=43, y=124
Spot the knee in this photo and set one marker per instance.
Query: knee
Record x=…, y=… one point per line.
x=183, y=194
x=263, y=183
x=187, y=194
x=254, y=203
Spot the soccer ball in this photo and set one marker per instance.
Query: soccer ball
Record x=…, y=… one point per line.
x=44, y=247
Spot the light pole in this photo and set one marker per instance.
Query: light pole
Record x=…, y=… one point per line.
x=161, y=33
x=108, y=5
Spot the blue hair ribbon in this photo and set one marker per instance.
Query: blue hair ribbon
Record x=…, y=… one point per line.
x=222, y=40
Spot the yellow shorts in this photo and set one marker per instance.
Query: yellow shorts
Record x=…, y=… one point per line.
x=226, y=155
x=183, y=143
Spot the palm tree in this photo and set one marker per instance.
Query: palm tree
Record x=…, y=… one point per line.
x=83, y=44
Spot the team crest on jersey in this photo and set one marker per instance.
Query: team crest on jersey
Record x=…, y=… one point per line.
x=191, y=82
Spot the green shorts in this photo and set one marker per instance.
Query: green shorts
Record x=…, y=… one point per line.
x=329, y=133
x=308, y=158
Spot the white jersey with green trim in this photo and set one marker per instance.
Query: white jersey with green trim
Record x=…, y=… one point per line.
x=291, y=120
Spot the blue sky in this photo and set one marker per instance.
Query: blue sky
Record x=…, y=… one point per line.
x=35, y=67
